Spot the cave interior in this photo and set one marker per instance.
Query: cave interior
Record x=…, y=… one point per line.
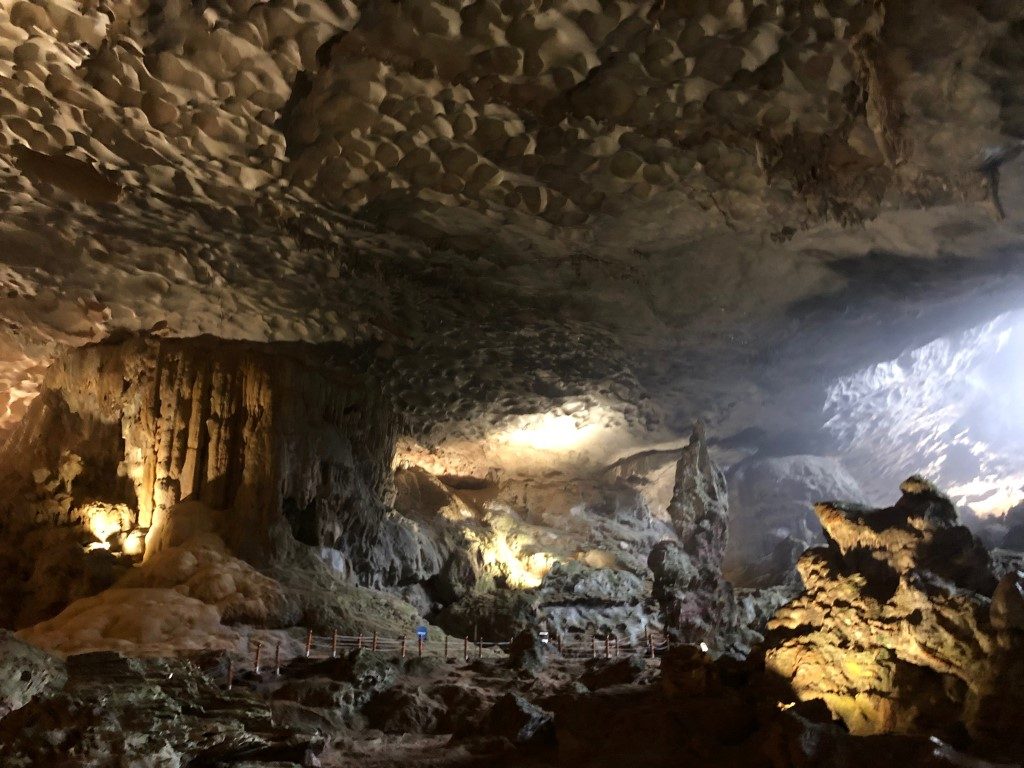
x=526, y=383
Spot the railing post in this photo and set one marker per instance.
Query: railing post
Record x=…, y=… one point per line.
x=650, y=645
x=593, y=647
x=403, y=646
x=334, y=645
x=607, y=647
x=465, y=648
x=231, y=672
x=309, y=643
x=615, y=647
x=419, y=645
x=359, y=641
x=277, y=659
x=256, y=657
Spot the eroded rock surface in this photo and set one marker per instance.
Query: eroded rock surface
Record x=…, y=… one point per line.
x=897, y=629
x=697, y=602
x=25, y=672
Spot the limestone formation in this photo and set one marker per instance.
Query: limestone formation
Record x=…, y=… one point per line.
x=257, y=435
x=897, y=629
x=25, y=672
x=697, y=603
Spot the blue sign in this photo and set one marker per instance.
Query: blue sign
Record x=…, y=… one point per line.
x=422, y=632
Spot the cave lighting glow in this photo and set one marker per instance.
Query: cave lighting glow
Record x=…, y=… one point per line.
x=551, y=432
x=952, y=410
x=103, y=520
x=522, y=571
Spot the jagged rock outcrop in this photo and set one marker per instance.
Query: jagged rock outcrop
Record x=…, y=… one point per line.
x=577, y=600
x=770, y=519
x=727, y=712
x=897, y=629
x=119, y=711
x=697, y=603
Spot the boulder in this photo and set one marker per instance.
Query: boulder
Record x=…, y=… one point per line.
x=1007, y=608
x=893, y=629
x=403, y=710
x=527, y=651
x=25, y=672
x=601, y=673
x=516, y=719
x=491, y=616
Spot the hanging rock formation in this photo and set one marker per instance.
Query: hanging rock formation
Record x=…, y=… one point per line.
x=901, y=627
x=259, y=434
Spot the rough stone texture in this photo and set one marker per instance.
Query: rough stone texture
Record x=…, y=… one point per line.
x=117, y=711
x=771, y=518
x=25, y=672
x=895, y=630
x=255, y=433
x=498, y=614
x=517, y=719
x=576, y=600
x=731, y=713
x=513, y=209
x=203, y=569
x=48, y=567
x=697, y=603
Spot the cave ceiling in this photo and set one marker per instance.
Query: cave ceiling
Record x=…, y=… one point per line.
x=644, y=212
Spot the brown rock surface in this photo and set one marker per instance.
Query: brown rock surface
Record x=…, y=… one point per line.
x=896, y=630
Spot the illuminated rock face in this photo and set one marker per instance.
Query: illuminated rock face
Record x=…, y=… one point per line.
x=260, y=435
x=896, y=630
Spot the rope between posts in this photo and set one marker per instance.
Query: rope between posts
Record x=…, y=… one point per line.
x=328, y=646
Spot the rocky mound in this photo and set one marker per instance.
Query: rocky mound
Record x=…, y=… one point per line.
x=901, y=626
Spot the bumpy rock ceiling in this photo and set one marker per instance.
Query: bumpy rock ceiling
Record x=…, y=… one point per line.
x=636, y=213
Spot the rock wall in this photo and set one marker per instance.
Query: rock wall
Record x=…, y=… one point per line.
x=901, y=627
x=771, y=522
x=259, y=434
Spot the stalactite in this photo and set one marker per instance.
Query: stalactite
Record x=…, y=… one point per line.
x=240, y=427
